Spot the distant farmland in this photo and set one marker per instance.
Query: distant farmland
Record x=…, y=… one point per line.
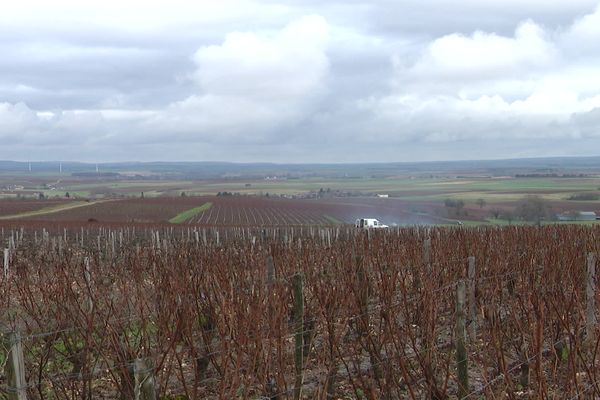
x=415, y=198
x=236, y=211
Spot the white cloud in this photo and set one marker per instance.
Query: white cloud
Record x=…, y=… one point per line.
x=582, y=38
x=20, y=124
x=17, y=118
x=486, y=55
x=290, y=63
x=134, y=16
x=254, y=83
x=488, y=86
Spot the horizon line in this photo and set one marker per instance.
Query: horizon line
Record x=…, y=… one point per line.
x=297, y=163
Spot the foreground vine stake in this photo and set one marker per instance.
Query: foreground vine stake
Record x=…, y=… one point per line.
x=270, y=272
x=299, y=334
x=15, y=367
x=6, y=261
x=591, y=301
x=144, y=380
x=472, y=301
x=461, y=351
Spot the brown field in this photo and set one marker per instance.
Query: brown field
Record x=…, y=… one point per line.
x=245, y=211
x=12, y=207
x=132, y=210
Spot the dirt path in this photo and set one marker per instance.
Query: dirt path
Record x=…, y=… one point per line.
x=52, y=210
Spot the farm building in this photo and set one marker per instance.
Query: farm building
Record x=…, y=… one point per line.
x=578, y=216
x=587, y=216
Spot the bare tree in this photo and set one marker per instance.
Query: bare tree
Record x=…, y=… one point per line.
x=457, y=205
x=533, y=209
x=496, y=212
x=508, y=216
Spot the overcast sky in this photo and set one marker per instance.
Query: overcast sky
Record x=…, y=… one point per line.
x=298, y=81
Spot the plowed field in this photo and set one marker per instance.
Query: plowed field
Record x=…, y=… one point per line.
x=12, y=207
x=243, y=211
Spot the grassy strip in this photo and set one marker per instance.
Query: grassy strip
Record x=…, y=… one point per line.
x=184, y=216
x=332, y=220
x=51, y=210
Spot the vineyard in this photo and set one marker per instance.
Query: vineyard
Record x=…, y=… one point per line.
x=258, y=211
x=302, y=312
x=226, y=211
x=132, y=210
x=267, y=212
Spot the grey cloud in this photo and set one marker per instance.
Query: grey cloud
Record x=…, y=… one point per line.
x=437, y=18
x=300, y=80
x=588, y=124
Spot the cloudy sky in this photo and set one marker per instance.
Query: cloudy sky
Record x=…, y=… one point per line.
x=299, y=80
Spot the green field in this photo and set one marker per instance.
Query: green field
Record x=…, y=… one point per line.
x=332, y=220
x=420, y=187
x=413, y=189
x=188, y=214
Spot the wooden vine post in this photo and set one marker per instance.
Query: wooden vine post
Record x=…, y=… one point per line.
x=6, y=261
x=270, y=272
x=427, y=253
x=363, y=297
x=590, y=323
x=143, y=373
x=298, y=283
x=461, y=350
x=270, y=269
x=472, y=301
x=87, y=274
x=14, y=369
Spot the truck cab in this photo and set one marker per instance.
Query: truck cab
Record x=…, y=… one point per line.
x=368, y=223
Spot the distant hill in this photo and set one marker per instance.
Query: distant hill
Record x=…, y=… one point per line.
x=225, y=170
x=96, y=174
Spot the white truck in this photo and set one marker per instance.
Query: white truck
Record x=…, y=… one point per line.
x=368, y=223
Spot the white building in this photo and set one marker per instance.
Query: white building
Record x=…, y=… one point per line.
x=578, y=216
